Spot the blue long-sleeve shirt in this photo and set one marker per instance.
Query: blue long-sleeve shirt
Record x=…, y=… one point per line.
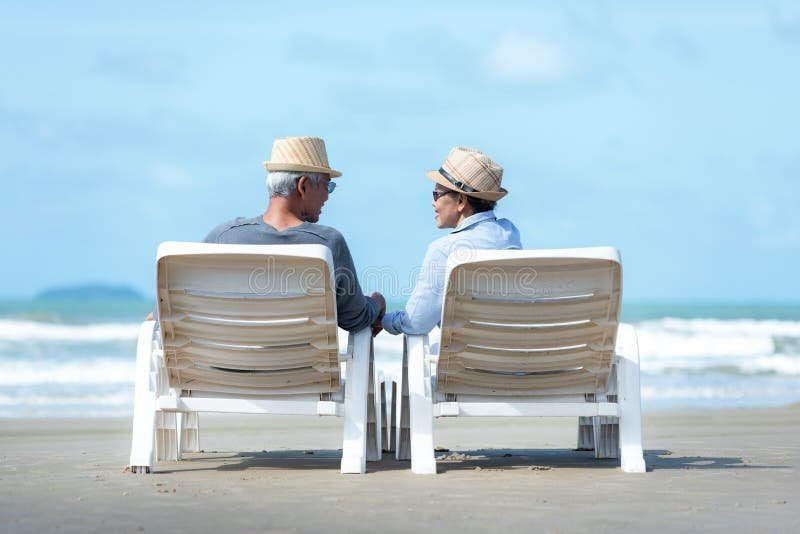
x=424, y=308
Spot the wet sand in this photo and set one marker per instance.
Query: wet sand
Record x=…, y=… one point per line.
x=711, y=471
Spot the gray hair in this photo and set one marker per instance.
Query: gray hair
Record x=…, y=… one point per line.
x=282, y=183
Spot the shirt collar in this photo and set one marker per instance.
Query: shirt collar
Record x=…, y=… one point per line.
x=473, y=220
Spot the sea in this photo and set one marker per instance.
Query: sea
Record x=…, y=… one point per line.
x=76, y=358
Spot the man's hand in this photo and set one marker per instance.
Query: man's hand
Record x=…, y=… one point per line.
x=376, y=326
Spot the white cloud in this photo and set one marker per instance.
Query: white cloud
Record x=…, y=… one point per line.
x=785, y=24
x=520, y=58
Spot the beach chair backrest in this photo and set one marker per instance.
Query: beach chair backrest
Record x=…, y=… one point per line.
x=529, y=322
x=248, y=319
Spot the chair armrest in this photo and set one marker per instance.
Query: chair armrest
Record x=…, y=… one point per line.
x=425, y=345
x=627, y=342
x=348, y=354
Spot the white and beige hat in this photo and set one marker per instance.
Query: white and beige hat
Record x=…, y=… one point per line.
x=472, y=173
x=300, y=154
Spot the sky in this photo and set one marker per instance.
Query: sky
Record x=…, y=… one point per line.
x=668, y=130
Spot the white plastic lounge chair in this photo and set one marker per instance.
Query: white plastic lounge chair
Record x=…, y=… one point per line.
x=527, y=333
x=248, y=329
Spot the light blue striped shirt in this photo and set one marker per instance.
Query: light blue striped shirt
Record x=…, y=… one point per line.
x=424, y=308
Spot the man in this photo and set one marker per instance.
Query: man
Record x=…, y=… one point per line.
x=467, y=189
x=299, y=182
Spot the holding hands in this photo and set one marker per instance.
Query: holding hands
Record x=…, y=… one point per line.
x=376, y=326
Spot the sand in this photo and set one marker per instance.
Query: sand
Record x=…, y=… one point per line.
x=712, y=471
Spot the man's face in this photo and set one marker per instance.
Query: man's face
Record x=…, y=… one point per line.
x=446, y=207
x=313, y=197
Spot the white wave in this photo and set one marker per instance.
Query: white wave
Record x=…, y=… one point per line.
x=712, y=337
x=697, y=392
x=120, y=398
x=744, y=345
x=98, y=371
x=747, y=365
x=666, y=346
x=16, y=330
x=732, y=392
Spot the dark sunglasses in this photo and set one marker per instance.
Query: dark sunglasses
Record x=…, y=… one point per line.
x=331, y=185
x=439, y=194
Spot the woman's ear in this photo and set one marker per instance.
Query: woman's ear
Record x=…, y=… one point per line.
x=462, y=202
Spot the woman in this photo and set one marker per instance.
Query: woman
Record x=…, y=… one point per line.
x=467, y=189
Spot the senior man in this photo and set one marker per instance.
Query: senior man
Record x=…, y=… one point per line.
x=299, y=182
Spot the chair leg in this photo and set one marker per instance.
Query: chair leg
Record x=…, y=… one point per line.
x=354, y=443
x=167, y=448
x=385, y=427
x=606, y=436
x=190, y=431
x=629, y=401
x=142, y=457
x=585, y=434
x=402, y=409
x=391, y=417
x=421, y=407
x=604, y=429
x=374, y=448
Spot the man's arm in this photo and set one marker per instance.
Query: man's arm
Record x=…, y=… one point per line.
x=376, y=325
x=355, y=310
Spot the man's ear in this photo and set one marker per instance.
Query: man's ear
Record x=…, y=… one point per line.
x=302, y=186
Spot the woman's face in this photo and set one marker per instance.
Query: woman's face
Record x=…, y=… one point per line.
x=448, y=207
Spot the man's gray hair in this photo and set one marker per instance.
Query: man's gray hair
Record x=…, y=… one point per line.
x=282, y=183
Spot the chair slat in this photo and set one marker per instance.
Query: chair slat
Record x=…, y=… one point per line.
x=286, y=307
x=517, y=325
x=254, y=323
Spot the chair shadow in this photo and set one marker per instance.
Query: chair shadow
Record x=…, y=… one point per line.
x=545, y=459
x=489, y=459
x=242, y=461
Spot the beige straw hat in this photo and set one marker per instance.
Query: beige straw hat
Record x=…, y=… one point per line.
x=300, y=154
x=472, y=173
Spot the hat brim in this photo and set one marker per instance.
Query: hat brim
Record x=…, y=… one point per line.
x=296, y=167
x=437, y=177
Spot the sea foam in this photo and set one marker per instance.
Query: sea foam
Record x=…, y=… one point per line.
x=740, y=346
x=99, y=371
x=22, y=330
x=48, y=366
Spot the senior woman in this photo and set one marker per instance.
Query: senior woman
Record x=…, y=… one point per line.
x=467, y=189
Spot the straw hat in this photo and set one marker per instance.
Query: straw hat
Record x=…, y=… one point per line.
x=300, y=154
x=472, y=173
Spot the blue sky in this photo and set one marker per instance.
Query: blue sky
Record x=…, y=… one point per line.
x=668, y=130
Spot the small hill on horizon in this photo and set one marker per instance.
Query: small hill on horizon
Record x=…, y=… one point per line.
x=90, y=291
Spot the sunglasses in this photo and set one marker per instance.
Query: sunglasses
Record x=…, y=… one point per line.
x=331, y=185
x=439, y=194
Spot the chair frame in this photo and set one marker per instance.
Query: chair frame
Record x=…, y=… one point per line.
x=609, y=422
x=165, y=422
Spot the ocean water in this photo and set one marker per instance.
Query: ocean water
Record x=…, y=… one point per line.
x=77, y=358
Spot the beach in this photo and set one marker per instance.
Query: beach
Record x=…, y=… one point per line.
x=708, y=470
x=721, y=435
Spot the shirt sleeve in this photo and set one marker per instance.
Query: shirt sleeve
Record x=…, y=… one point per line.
x=424, y=308
x=354, y=310
x=212, y=237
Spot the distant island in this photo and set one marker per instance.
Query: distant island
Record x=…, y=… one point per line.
x=90, y=291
